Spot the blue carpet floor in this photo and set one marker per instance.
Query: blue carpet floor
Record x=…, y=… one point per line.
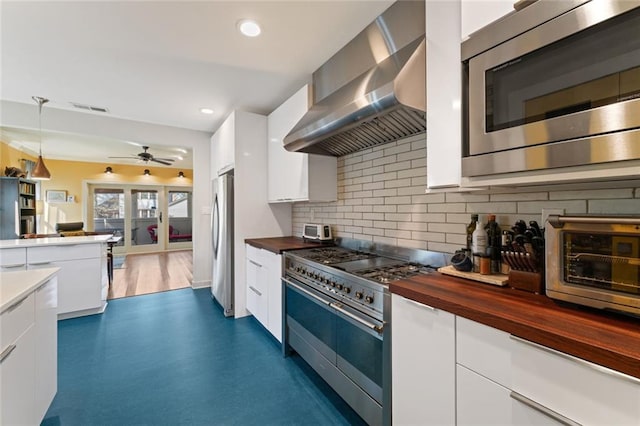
x=172, y=359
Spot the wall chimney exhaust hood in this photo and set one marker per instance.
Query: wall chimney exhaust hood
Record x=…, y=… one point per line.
x=372, y=91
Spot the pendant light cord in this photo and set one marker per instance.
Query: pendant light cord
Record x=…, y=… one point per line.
x=41, y=101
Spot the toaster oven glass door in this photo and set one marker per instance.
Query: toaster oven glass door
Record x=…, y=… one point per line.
x=603, y=261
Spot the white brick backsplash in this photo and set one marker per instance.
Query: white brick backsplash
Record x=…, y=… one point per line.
x=398, y=183
x=630, y=206
x=398, y=217
x=381, y=198
x=397, y=234
x=577, y=206
x=385, y=225
x=412, y=208
x=592, y=195
x=446, y=208
x=398, y=200
x=397, y=166
x=363, y=209
x=385, y=209
x=385, y=176
x=428, y=236
x=385, y=192
x=520, y=197
x=373, y=216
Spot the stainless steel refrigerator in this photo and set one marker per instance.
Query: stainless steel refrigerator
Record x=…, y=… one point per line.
x=222, y=288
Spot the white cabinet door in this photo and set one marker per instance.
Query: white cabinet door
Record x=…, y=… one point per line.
x=574, y=388
x=478, y=13
x=274, y=290
x=17, y=381
x=13, y=259
x=423, y=364
x=46, y=327
x=79, y=284
x=256, y=276
x=444, y=119
x=223, y=147
x=479, y=401
x=294, y=176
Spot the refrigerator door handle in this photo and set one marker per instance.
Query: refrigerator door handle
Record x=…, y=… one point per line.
x=215, y=224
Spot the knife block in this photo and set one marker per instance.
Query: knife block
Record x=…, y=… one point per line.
x=528, y=281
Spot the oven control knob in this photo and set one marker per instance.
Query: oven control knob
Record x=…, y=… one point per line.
x=340, y=286
x=368, y=299
x=309, y=273
x=358, y=295
x=347, y=290
x=333, y=283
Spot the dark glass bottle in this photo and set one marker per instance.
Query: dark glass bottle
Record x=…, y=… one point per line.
x=494, y=242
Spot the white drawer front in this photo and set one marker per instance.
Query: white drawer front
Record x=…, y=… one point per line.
x=16, y=319
x=66, y=252
x=13, y=258
x=480, y=401
x=254, y=254
x=484, y=349
x=574, y=388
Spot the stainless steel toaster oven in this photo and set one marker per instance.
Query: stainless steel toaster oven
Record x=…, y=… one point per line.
x=594, y=261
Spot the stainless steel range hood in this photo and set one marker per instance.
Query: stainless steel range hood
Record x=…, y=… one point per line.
x=372, y=91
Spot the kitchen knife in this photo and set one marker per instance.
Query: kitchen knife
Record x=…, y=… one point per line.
x=534, y=225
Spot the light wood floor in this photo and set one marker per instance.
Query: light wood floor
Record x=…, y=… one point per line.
x=152, y=273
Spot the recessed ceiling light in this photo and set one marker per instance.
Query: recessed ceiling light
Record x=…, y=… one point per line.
x=206, y=110
x=249, y=28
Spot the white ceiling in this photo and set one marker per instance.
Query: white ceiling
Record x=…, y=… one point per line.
x=161, y=61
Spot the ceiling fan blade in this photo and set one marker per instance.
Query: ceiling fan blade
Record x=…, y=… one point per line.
x=128, y=158
x=165, y=159
x=161, y=162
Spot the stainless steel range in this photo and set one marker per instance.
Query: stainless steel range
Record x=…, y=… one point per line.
x=337, y=316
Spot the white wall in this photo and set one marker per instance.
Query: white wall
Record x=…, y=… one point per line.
x=14, y=114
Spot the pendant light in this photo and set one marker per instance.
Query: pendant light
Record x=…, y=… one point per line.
x=40, y=171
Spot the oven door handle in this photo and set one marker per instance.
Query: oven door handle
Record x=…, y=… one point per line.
x=307, y=292
x=338, y=307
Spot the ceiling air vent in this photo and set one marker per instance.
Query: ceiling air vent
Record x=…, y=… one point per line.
x=89, y=107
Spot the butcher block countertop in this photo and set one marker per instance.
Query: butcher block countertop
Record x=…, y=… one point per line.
x=603, y=338
x=279, y=244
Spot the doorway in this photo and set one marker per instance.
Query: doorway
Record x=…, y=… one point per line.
x=149, y=218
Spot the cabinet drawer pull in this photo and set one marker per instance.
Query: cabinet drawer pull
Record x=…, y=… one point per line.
x=542, y=409
x=255, y=263
x=422, y=305
x=46, y=262
x=15, y=305
x=14, y=265
x=596, y=367
x=5, y=354
x=255, y=291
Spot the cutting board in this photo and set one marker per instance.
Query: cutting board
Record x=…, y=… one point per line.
x=494, y=279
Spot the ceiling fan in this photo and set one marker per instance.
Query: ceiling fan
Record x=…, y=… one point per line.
x=146, y=157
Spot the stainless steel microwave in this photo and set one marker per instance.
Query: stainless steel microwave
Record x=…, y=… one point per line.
x=594, y=261
x=556, y=84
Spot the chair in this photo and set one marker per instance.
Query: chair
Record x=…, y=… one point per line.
x=70, y=229
x=152, y=230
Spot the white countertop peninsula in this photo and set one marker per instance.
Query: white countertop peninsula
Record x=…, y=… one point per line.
x=82, y=278
x=16, y=285
x=53, y=241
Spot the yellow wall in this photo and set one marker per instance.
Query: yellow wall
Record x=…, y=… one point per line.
x=69, y=176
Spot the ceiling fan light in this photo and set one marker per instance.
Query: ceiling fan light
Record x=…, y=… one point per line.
x=108, y=170
x=180, y=174
x=147, y=172
x=40, y=171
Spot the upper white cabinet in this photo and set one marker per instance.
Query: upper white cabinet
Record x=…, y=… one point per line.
x=223, y=147
x=295, y=176
x=478, y=13
x=444, y=120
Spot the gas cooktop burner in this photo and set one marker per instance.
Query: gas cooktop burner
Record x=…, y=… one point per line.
x=331, y=255
x=385, y=274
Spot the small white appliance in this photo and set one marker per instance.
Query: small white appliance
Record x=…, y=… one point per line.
x=317, y=232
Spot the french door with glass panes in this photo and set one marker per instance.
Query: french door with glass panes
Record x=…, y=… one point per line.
x=148, y=218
